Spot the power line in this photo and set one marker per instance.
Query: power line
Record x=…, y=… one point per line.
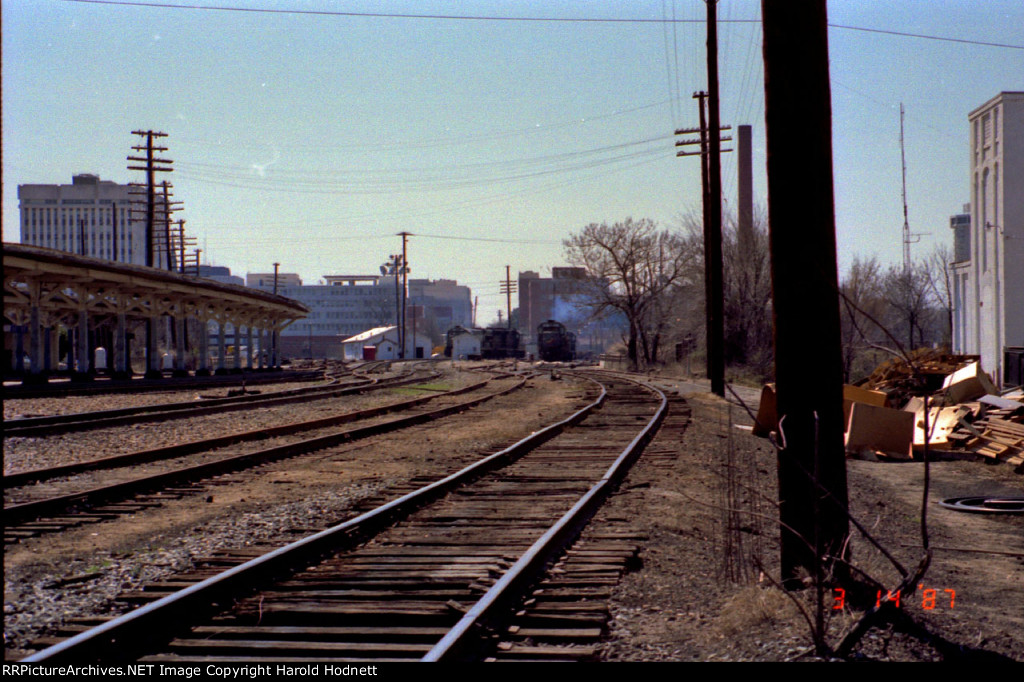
x=332, y=239
x=405, y=145
x=926, y=37
x=473, y=169
x=552, y=20
x=383, y=186
x=490, y=239
x=389, y=15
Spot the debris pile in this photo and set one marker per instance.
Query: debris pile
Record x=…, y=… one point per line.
x=942, y=400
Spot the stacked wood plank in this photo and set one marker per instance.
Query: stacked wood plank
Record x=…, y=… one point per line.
x=999, y=434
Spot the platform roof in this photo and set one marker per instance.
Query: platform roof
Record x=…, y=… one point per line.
x=106, y=281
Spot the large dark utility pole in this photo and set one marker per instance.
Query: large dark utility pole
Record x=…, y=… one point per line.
x=801, y=218
x=713, y=244
x=711, y=180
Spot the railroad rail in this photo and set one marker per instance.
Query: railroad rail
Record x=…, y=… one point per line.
x=25, y=519
x=104, y=386
x=36, y=427
x=427, y=576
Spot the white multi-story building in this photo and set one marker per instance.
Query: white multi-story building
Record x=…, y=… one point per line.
x=989, y=285
x=89, y=217
x=347, y=305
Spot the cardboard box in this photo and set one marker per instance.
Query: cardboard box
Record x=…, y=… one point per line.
x=856, y=394
x=966, y=384
x=880, y=429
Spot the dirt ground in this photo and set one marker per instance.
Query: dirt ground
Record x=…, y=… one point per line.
x=707, y=593
x=704, y=589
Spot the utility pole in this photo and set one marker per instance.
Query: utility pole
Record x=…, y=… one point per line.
x=716, y=344
x=745, y=194
x=801, y=219
x=113, y=231
x=405, y=293
x=507, y=288
x=153, y=165
x=168, y=207
x=414, y=332
x=273, y=337
x=182, y=241
x=713, y=291
x=393, y=266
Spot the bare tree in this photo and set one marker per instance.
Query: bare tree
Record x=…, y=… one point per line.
x=746, y=289
x=907, y=292
x=861, y=303
x=633, y=267
x=940, y=279
x=748, y=297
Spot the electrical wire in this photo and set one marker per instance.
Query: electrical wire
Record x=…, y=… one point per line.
x=526, y=19
x=319, y=148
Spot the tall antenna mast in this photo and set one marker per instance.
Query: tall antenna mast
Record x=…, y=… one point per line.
x=908, y=237
x=906, y=223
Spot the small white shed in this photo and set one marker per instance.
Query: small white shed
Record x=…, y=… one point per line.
x=385, y=342
x=466, y=345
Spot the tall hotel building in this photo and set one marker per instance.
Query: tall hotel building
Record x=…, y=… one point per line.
x=81, y=218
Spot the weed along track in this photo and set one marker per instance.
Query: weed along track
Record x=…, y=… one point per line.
x=435, y=574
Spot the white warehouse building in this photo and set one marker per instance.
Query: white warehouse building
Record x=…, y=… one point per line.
x=988, y=282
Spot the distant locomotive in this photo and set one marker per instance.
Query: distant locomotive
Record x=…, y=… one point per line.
x=500, y=343
x=555, y=343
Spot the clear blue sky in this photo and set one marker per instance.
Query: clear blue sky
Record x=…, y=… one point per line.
x=312, y=139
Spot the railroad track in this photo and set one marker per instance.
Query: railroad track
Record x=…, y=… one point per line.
x=198, y=463
x=103, y=386
x=38, y=427
x=432, y=575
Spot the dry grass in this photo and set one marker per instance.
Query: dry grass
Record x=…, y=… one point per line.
x=755, y=607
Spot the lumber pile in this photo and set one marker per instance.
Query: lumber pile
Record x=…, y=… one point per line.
x=938, y=401
x=997, y=434
x=926, y=372
x=965, y=414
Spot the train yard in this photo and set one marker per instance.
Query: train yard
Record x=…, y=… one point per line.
x=365, y=475
x=367, y=545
